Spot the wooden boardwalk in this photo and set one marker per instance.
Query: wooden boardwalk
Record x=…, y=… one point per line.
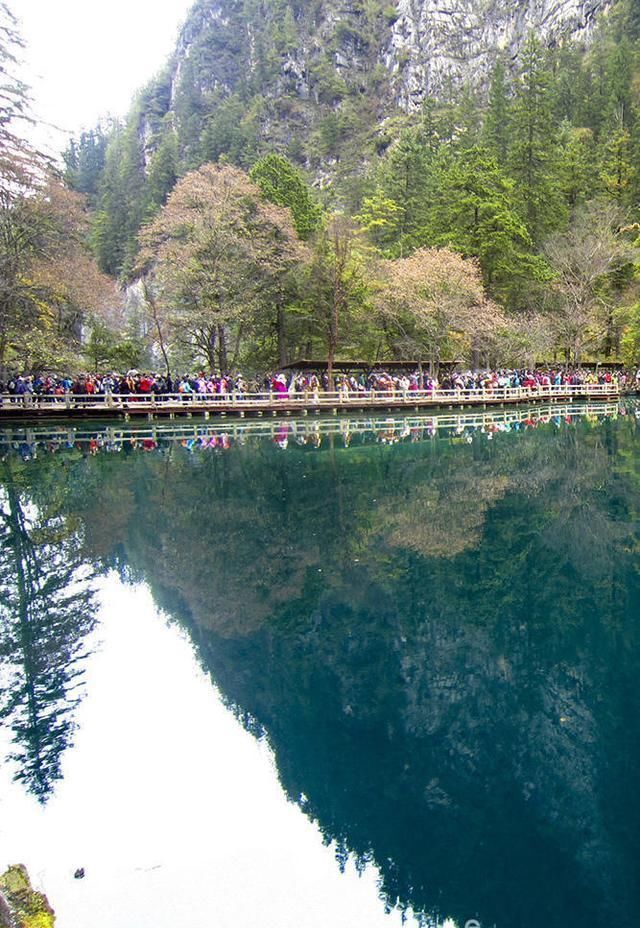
x=171, y=406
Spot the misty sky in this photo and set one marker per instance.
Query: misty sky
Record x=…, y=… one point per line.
x=85, y=60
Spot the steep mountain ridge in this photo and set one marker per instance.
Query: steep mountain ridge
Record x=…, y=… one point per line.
x=336, y=85
x=299, y=68
x=426, y=47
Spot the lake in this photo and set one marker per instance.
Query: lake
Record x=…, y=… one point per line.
x=325, y=672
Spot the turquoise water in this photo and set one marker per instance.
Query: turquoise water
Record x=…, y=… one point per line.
x=239, y=660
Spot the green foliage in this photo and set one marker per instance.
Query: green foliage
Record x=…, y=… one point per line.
x=575, y=164
x=107, y=350
x=475, y=212
x=46, y=609
x=337, y=287
x=230, y=130
x=284, y=185
x=629, y=318
x=121, y=204
x=616, y=164
x=85, y=161
x=216, y=260
x=29, y=908
x=405, y=177
x=533, y=144
x=327, y=85
x=379, y=217
x=491, y=174
x=497, y=121
x=48, y=280
x=162, y=172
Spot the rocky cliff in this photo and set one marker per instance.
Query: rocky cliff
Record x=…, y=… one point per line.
x=436, y=43
x=420, y=48
x=304, y=75
x=332, y=85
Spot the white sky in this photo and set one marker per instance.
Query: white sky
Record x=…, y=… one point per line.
x=87, y=59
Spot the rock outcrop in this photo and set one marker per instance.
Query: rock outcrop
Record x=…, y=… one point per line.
x=436, y=44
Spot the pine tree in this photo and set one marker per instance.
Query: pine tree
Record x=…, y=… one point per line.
x=46, y=611
x=575, y=165
x=405, y=177
x=163, y=170
x=85, y=160
x=475, y=212
x=616, y=167
x=497, y=122
x=533, y=148
x=120, y=202
x=379, y=217
x=569, y=87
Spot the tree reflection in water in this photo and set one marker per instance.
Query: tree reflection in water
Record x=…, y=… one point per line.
x=437, y=636
x=45, y=613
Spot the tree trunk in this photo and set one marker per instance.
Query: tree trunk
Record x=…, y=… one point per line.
x=222, y=349
x=156, y=321
x=282, y=336
x=236, y=349
x=609, y=337
x=333, y=343
x=210, y=349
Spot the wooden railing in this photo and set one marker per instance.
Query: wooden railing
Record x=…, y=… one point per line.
x=305, y=399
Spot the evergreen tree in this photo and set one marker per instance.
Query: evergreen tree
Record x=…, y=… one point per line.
x=475, y=212
x=85, y=160
x=497, y=121
x=284, y=185
x=21, y=165
x=569, y=83
x=592, y=108
x=619, y=77
x=189, y=110
x=163, y=170
x=576, y=165
x=616, y=167
x=405, y=177
x=532, y=158
x=467, y=117
x=120, y=203
x=379, y=217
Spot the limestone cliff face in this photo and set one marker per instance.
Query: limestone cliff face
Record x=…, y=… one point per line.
x=317, y=79
x=424, y=46
x=436, y=43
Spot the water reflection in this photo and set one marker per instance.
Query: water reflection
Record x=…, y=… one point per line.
x=31, y=441
x=45, y=613
x=435, y=624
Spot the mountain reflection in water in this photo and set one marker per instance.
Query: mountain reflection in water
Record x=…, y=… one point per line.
x=434, y=622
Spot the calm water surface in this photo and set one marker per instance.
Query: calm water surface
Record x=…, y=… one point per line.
x=325, y=672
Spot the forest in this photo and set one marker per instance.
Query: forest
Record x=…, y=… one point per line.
x=496, y=227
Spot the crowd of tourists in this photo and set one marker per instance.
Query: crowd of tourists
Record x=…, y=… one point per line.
x=281, y=384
